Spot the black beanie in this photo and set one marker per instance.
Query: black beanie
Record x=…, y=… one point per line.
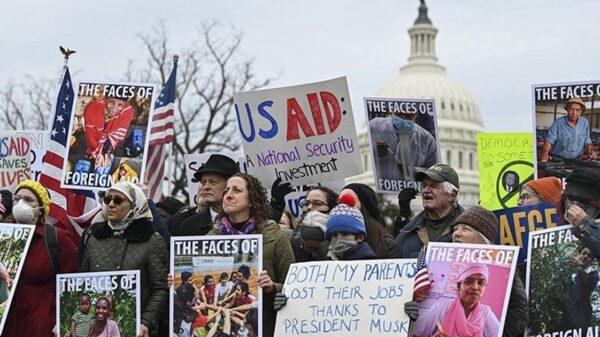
x=367, y=198
x=6, y=199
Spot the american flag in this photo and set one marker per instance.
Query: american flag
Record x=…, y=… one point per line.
x=71, y=210
x=422, y=281
x=161, y=134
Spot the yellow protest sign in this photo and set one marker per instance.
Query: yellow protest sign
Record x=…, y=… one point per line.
x=505, y=164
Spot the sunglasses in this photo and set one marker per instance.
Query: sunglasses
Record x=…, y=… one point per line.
x=117, y=200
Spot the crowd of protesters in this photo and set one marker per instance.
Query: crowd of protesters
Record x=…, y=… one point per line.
x=131, y=232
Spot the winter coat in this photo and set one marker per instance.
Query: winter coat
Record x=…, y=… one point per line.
x=189, y=222
x=412, y=237
x=361, y=252
x=517, y=314
x=589, y=234
x=137, y=247
x=277, y=258
x=33, y=307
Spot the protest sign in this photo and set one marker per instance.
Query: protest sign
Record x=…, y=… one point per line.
x=404, y=140
x=516, y=223
x=194, y=161
x=109, y=135
x=479, y=274
x=505, y=164
x=347, y=298
x=566, y=141
x=88, y=300
x=14, y=243
x=303, y=134
x=562, y=285
x=15, y=160
x=213, y=264
x=39, y=142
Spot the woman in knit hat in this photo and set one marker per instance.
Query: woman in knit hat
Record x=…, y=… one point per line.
x=478, y=225
x=347, y=233
x=365, y=200
x=127, y=240
x=547, y=189
x=33, y=306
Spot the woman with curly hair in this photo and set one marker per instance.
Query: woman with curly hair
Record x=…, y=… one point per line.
x=246, y=211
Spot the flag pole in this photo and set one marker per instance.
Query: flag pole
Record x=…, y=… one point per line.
x=170, y=148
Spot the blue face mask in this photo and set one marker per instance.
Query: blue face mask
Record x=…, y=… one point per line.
x=402, y=124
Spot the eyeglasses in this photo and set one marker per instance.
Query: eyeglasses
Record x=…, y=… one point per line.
x=314, y=203
x=471, y=281
x=27, y=199
x=116, y=199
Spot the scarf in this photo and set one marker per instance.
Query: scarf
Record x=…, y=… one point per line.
x=139, y=208
x=457, y=324
x=226, y=228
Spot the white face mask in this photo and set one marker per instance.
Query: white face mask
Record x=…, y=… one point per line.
x=23, y=213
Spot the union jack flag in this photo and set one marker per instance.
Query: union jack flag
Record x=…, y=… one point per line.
x=71, y=210
x=422, y=280
x=161, y=134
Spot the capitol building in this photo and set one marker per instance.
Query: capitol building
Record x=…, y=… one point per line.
x=458, y=116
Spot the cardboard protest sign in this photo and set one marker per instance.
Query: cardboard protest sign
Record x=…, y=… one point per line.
x=194, y=161
x=404, y=140
x=303, y=134
x=347, y=298
x=467, y=274
x=505, y=164
x=562, y=285
x=85, y=301
x=14, y=243
x=15, y=161
x=516, y=223
x=225, y=270
x=38, y=143
x=109, y=135
x=566, y=140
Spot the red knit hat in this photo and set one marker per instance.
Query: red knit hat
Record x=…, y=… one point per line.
x=548, y=187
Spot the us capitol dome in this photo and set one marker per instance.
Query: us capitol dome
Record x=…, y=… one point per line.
x=459, y=118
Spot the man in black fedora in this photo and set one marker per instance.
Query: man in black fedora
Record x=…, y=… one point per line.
x=212, y=178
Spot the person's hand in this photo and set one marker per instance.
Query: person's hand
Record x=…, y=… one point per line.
x=592, y=156
x=280, y=301
x=421, y=296
x=144, y=332
x=404, y=198
x=574, y=215
x=54, y=331
x=9, y=282
x=169, y=280
x=265, y=282
x=278, y=193
x=382, y=149
x=412, y=310
x=573, y=260
x=544, y=157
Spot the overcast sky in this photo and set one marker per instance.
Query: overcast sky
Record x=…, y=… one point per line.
x=496, y=49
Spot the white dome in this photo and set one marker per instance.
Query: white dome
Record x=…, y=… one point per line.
x=459, y=118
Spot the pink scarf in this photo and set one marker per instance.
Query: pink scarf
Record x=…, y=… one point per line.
x=456, y=323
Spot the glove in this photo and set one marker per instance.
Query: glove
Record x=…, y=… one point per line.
x=412, y=310
x=404, y=198
x=278, y=193
x=280, y=301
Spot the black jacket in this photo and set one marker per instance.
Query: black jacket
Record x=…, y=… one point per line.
x=189, y=222
x=137, y=247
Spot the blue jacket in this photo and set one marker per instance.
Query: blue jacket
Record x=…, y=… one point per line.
x=411, y=238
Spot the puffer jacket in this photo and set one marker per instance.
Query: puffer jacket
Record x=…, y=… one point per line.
x=137, y=247
x=277, y=258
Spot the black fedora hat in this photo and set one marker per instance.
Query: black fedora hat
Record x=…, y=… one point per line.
x=217, y=163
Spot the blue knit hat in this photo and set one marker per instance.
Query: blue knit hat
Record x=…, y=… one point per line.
x=346, y=219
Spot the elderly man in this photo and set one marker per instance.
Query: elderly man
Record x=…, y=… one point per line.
x=213, y=177
x=439, y=194
x=465, y=315
x=569, y=135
